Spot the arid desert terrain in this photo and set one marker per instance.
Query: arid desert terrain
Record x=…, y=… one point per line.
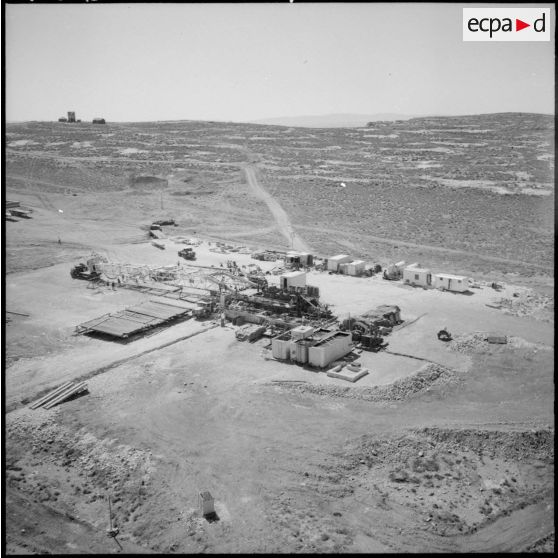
x=442, y=447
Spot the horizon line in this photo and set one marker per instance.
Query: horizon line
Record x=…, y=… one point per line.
x=279, y=117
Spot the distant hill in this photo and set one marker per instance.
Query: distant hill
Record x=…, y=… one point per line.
x=331, y=120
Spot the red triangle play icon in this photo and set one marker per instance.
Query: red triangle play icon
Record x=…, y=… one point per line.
x=519, y=25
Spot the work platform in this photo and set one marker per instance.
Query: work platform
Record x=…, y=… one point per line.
x=137, y=318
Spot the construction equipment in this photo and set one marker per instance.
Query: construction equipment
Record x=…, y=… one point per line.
x=369, y=328
x=187, y=254
x=91, y=270
x=394, y=272
x=444, y=335
x=369, y=342
x=164, y=222
x=365, y=332
x=250, y=332
x=81, y=271
x=204, y=309
x=259, y=279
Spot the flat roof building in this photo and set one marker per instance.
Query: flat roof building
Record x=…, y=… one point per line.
x=334, y=261
x=414, y=274
x=292, y=279
x=454, y=283
x=318, y=349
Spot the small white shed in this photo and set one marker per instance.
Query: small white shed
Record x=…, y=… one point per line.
x=293, y=279
x=455, y=283
x=334, y=261
x=417, y=275
x=206, y=503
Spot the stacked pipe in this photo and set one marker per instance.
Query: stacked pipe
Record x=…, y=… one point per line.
x=60, y=394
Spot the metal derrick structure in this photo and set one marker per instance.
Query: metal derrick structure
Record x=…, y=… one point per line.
x=202, y=278
x=215, y=281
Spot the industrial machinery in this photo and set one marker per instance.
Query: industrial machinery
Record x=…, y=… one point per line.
x=444, y=335
x=81, y=271
x=364, y=332
x=91, y=270
x=259, y=279
x=187, y=254
x=368, y=341
x=164, y=222
x=369, y=328
x=204, y=309
x=394, y=272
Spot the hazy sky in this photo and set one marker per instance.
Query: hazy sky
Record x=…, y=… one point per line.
x=243, y=62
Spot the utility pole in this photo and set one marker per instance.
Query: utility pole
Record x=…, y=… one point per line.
x=112, y=531
x=222, y=302
x=161, y=199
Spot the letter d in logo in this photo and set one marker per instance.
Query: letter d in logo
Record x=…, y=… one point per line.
x=541, y=20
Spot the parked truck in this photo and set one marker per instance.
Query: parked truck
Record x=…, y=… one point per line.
x=187, y=254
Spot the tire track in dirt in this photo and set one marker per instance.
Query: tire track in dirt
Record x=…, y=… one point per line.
x=74, y=375
x=34, y=180
x=281, y=217
x=512, y=533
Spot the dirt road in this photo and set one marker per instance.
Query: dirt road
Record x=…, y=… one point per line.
x=282, y=219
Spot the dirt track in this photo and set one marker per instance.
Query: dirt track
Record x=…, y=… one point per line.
x=282, y=219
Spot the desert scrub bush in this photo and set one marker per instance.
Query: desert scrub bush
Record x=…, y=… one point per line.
x=486, y=509
x=421, y=465
x=399, y=475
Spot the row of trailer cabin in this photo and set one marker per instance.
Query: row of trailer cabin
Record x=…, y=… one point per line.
x=417, y=275
x=413, y=274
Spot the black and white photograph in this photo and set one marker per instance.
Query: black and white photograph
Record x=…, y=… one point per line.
x=278, y=277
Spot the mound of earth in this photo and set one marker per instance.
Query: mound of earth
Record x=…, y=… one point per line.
x=528, y=303
x=470, y=343
x=428, y=377
x=154, y=181
x=67, y=465
x=455, y=481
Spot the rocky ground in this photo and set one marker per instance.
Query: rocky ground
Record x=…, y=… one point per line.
x=427, y=377
x=443, y=447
